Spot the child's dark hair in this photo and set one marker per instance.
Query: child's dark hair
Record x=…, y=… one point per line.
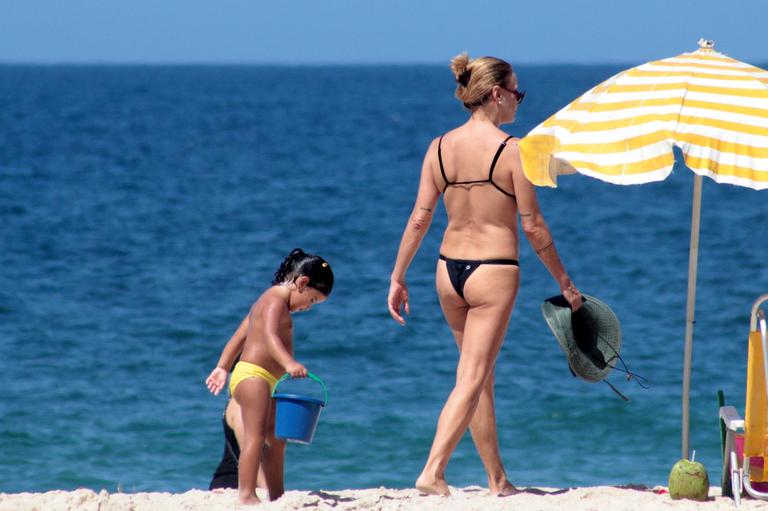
x=299, y=263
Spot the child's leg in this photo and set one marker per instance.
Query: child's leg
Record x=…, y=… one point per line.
x=235, y=420
x=273, y=460
x=253, y=394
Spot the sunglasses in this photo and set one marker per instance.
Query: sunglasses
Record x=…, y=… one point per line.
x=519, y=94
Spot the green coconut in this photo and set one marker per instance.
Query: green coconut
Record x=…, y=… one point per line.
x=689, y=480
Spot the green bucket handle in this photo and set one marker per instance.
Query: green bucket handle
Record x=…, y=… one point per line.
x=287, y=376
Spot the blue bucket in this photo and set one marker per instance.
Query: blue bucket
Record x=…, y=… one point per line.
x=296, y=416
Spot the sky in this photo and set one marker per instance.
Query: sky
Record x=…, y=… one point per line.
x=374, y=32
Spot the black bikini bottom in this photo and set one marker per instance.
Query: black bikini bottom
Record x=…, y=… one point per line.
x=459, y=270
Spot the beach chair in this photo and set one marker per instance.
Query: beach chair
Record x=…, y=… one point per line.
x=745, y=453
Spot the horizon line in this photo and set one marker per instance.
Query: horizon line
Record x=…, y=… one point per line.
x=267, y=63
x=235, y=63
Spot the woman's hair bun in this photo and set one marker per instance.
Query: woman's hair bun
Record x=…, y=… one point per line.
x=476, y=78
x=460, y=68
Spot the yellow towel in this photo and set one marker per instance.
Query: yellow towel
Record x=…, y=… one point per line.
x=755, y=433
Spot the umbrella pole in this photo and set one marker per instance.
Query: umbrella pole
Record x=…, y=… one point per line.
x=693, y=258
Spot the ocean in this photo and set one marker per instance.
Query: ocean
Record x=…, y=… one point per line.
x=144, y=208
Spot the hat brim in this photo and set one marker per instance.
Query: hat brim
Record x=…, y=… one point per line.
x=589, y=337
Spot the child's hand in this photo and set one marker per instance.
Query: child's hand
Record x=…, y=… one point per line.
x=296, y=370
x=398, y=297
x=216, y=380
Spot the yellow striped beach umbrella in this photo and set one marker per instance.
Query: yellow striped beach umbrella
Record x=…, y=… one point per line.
x=714, y=108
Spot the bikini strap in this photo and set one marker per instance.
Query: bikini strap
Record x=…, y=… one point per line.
x=496, y=157
x=440, y=159
x=493, y=167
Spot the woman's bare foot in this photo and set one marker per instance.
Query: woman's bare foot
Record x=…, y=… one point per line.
x=246, y=500
x=432, y=486
x=504, y=490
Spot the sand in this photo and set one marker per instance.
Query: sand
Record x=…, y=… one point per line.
x=464, y=499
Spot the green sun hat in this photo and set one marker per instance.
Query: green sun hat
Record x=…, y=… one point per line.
x=589, y=337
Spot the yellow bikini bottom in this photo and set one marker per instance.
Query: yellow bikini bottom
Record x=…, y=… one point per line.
x=244, y=370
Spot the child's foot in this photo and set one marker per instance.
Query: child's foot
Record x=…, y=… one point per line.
x=504, y=490
x=432, y=486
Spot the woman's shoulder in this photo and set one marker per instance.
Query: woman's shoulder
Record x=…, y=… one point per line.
x=483, y=139
x=506, y=137
x=435, y=142
x=512, y=142
x=511, y=152
x=489, y=133
x=456, y=132
x=430, y=155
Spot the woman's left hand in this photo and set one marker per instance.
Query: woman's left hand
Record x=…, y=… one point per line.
x=573, y=296
x=398, y=297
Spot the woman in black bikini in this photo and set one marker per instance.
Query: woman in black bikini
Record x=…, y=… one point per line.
x=225, y=475
x=477, y=169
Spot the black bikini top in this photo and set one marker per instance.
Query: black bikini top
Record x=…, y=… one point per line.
x=477, y=181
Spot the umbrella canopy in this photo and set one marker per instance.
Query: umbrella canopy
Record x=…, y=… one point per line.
x=623, y=131
x=714, y=108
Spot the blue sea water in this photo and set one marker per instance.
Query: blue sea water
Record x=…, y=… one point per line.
x=143, y=209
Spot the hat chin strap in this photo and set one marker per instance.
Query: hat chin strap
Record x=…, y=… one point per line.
x=630, y=375
x=622, y=396
x=643, y=382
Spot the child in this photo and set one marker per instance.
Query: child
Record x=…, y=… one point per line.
x=264, y=341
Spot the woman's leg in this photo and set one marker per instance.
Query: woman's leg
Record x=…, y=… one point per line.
x=234, y=419
x=479, y=328
x=273, y=460
x=253, y=395
x=483, y=424
x=486, y=439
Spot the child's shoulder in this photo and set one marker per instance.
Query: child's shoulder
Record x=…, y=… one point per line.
x=272, y=296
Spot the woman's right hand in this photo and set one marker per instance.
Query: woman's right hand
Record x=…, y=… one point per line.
x=573, y=296
x=216, y=380
x=398, y=297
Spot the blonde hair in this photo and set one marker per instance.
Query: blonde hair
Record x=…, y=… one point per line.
x=476, y=78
